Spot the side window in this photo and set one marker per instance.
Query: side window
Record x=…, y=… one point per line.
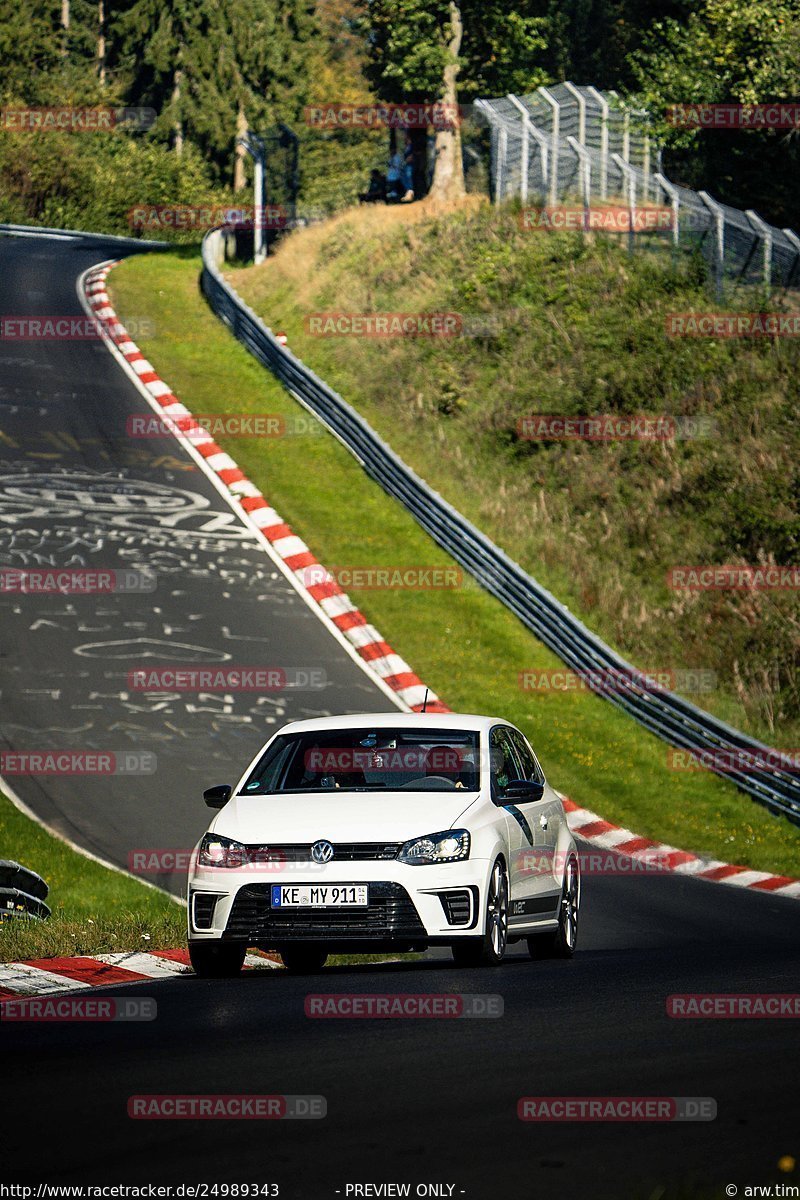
x=530, y=765
x=504, y=763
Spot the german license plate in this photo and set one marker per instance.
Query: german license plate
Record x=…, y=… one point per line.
x=320, y=896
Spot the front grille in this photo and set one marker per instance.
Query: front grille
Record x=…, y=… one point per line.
x=342, y=852
x=203, y=905
x=456, y=906
x=389, y=914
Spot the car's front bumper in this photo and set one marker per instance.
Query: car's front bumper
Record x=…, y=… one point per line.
x=408, y=907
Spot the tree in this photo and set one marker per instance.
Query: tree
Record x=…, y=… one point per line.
x=740, y=50
x=45, y=61
x=745, y=51
x=589, y=41
x=448, y=51
x=211, y=69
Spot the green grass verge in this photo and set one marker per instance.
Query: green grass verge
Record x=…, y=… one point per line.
x=95, y=910
x=462, y=642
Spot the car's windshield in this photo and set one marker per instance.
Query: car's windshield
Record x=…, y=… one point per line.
x=368, y=760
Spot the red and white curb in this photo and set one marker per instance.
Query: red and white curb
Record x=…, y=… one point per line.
x=588, y=825
x=390, y=670
x=50, y=976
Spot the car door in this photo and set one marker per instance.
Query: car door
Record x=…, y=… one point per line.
x=521, y=835
x=536, y=868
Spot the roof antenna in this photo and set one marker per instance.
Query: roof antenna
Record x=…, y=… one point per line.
x=425, y=701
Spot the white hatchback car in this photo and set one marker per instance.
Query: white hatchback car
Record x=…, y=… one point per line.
x=384, y=832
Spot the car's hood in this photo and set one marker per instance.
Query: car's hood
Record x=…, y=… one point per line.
x=340, y=817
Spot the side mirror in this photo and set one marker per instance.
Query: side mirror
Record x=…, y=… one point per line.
x=525, y=790
x=218, y=797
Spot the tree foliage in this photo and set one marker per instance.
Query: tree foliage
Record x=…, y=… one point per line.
x=209, y=68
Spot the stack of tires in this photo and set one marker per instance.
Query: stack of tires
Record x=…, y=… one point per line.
x=22, y=892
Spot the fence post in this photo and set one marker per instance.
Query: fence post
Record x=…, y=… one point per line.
x=581, y=101
x=672, y=192
x=585, y=174
x=502, y=157
x=523, y=183
x=530, y=130
x=601, y=100
x=494, y=125
x=527, y=131
x=554, y=107
x=646, y=167
x=628, y=173
x=719, y=239
x=765, y=233
x=544, y=150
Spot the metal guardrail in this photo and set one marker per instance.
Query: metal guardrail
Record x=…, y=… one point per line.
x=665, y=714
x=22, y=892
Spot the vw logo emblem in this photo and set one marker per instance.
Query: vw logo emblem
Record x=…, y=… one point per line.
x=322, y=852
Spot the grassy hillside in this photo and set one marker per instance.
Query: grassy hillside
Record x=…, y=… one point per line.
x=575, y=326
x=462, y=642
x=95, y=910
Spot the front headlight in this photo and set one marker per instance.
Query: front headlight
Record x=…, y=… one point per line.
x=216, y=851
x=449, y=846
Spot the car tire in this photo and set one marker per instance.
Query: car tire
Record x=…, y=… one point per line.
x=488, y=950
x=303, y=959
x=216, y=960
x=562, y=941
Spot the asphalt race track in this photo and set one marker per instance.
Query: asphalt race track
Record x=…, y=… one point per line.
x=414, y=1102
x=77, y=491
